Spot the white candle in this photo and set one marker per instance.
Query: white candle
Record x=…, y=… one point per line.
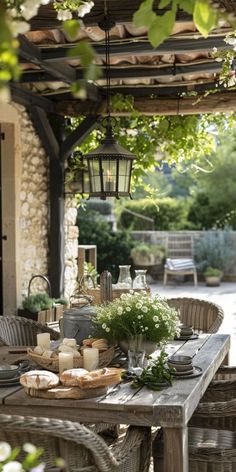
x=43, y=340
x=66, y=361
x=69, y=342
x=90, y=356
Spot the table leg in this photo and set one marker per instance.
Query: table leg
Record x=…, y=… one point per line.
x=176, y=449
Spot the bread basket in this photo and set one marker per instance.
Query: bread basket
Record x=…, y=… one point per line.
x=52, y=363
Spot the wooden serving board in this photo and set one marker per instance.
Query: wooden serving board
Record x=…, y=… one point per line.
x=67, y=392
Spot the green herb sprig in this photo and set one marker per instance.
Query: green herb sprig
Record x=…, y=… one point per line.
x=155, y=374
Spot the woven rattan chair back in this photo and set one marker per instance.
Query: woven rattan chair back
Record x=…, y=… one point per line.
x=203, y=316
x=19, y=331
x=82, y=449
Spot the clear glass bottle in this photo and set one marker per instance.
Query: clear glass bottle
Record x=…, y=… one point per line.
x=140, y=279
x=124, y=280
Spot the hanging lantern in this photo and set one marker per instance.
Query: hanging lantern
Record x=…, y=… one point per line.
x=109, y=165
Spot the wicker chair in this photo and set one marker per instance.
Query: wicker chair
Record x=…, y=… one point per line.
x=19, y=331
x=204, y=316
x=81, y=448
x=212, y=429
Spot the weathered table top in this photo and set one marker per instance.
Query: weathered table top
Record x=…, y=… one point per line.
x=171, y=407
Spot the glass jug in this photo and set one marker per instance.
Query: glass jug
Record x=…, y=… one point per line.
x=124, y=280
x=140, y=279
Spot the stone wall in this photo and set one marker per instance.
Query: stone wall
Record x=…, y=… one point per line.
x=71, y=246
x=34, y=203
x=34, y=213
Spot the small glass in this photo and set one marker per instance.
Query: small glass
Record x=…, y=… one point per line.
x=124, y=280
x=136, y=361
x=140, y=279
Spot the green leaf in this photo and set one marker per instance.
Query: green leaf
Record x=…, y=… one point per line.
x=161, y=28
x=164, y=3
x=71, y=27
x=187, y=5
x=144, y=16
x=204, y=17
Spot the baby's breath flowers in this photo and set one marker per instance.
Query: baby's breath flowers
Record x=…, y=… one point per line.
x=137, y=313
x=30, y=461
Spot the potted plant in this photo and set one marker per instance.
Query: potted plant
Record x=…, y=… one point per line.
x=213, y=276
x=40, y=307
x=137, y=318
x=144, y=254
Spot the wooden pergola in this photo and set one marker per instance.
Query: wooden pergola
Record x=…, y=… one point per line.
x=159, y=79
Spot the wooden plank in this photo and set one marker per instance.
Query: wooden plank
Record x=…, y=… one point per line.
x=28, y=98
x=46, y=134
x=31, y=53
x=121, y=12
x=216, y=102
x=78, y=135
x=175, y=447
x=6, y=391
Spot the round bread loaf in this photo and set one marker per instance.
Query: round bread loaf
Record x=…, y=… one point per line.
x=39, y=379
x=70, y=377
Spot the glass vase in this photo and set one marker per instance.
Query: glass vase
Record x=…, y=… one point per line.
x=140, y=279
x=124, y=280
x=136, y=355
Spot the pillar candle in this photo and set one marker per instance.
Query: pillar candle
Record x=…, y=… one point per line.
x=43, y=340
x=66, y=361
x=90, y=356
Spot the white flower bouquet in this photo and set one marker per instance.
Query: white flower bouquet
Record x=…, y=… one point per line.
x=137, y=313
x=23, y=459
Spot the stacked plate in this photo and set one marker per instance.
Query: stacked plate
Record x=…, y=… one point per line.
x=10, y=374
x=183, y=367
x=186, y=332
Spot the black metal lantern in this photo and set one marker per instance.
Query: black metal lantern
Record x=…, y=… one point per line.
x=109, y=165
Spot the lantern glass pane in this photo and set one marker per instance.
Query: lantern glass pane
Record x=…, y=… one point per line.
x=93, y=165
x=124, y=175
x=109, y=175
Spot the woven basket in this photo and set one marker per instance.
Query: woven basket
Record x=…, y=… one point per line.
x=52, y=364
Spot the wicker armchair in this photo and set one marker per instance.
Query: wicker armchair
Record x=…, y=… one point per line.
x=204, y=316
x=82, y=449
x=19, y=331
x=212, y=429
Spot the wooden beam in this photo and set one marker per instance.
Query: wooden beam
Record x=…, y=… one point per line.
x=163, y=71
x=59, y=69
x=78, y=135
x=45, y=132
x=134, y=46
x=214, y=103
x=121, y=12
x=28, y=98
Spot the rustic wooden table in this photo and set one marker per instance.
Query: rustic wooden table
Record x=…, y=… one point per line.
x=170, y=408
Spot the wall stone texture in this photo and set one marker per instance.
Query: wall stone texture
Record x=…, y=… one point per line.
x=34, y=213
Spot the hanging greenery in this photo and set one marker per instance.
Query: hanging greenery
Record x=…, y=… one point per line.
x=15, y=16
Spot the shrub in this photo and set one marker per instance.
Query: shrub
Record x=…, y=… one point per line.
x=113, y=248
x=104, y=208
x=167, y=214
x=37, y=302
x=216, y=249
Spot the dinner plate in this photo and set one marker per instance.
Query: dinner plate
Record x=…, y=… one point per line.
x=197, y=371
x=187, y=338
x=10, y=382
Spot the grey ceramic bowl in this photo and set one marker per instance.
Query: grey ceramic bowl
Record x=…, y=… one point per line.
x=177, y=359
x=8, y=371
x=186, y=368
